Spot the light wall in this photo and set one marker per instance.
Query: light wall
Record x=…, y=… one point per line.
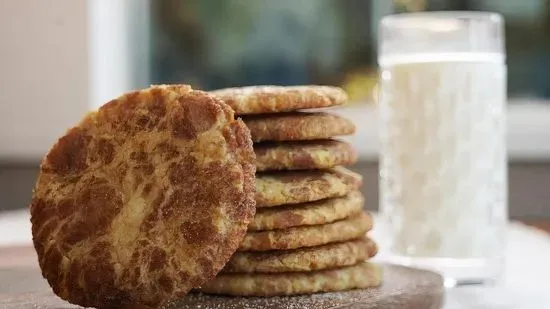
x=60, y=58
x=43, y=73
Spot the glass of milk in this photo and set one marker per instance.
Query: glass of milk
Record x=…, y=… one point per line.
x=443, y=163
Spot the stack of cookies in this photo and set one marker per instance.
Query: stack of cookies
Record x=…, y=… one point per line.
x=153, y=195
x=309, y=231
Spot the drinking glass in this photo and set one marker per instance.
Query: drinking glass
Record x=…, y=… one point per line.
x=443, y=163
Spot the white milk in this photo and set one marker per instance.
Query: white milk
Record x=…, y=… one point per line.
x=443, y=158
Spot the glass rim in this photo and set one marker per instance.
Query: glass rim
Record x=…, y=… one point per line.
x=442, y=35
x=395, y=19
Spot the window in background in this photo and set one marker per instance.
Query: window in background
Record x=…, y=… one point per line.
x=220, y=43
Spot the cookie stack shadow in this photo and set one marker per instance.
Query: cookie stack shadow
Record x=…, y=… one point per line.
x=309, y=233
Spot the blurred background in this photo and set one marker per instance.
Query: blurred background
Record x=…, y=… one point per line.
x=214, y=44
x=60, y=58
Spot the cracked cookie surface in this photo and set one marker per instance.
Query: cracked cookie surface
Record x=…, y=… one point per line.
x=303, y=259
x=308, y=236
x=303, y=155
x=125, y=212
x=312, y=213
x=275, y=99
x=294, y=187
x=362, y=275
x=297, y=126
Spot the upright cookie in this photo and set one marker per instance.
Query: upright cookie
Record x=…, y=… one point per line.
x=307, y=236
x=303, y=155
x=297, y=126
x=362, y=275
x=303, y=259
x=125, y=212
x=281, y=188
x=312, y=213
x=276, y=99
